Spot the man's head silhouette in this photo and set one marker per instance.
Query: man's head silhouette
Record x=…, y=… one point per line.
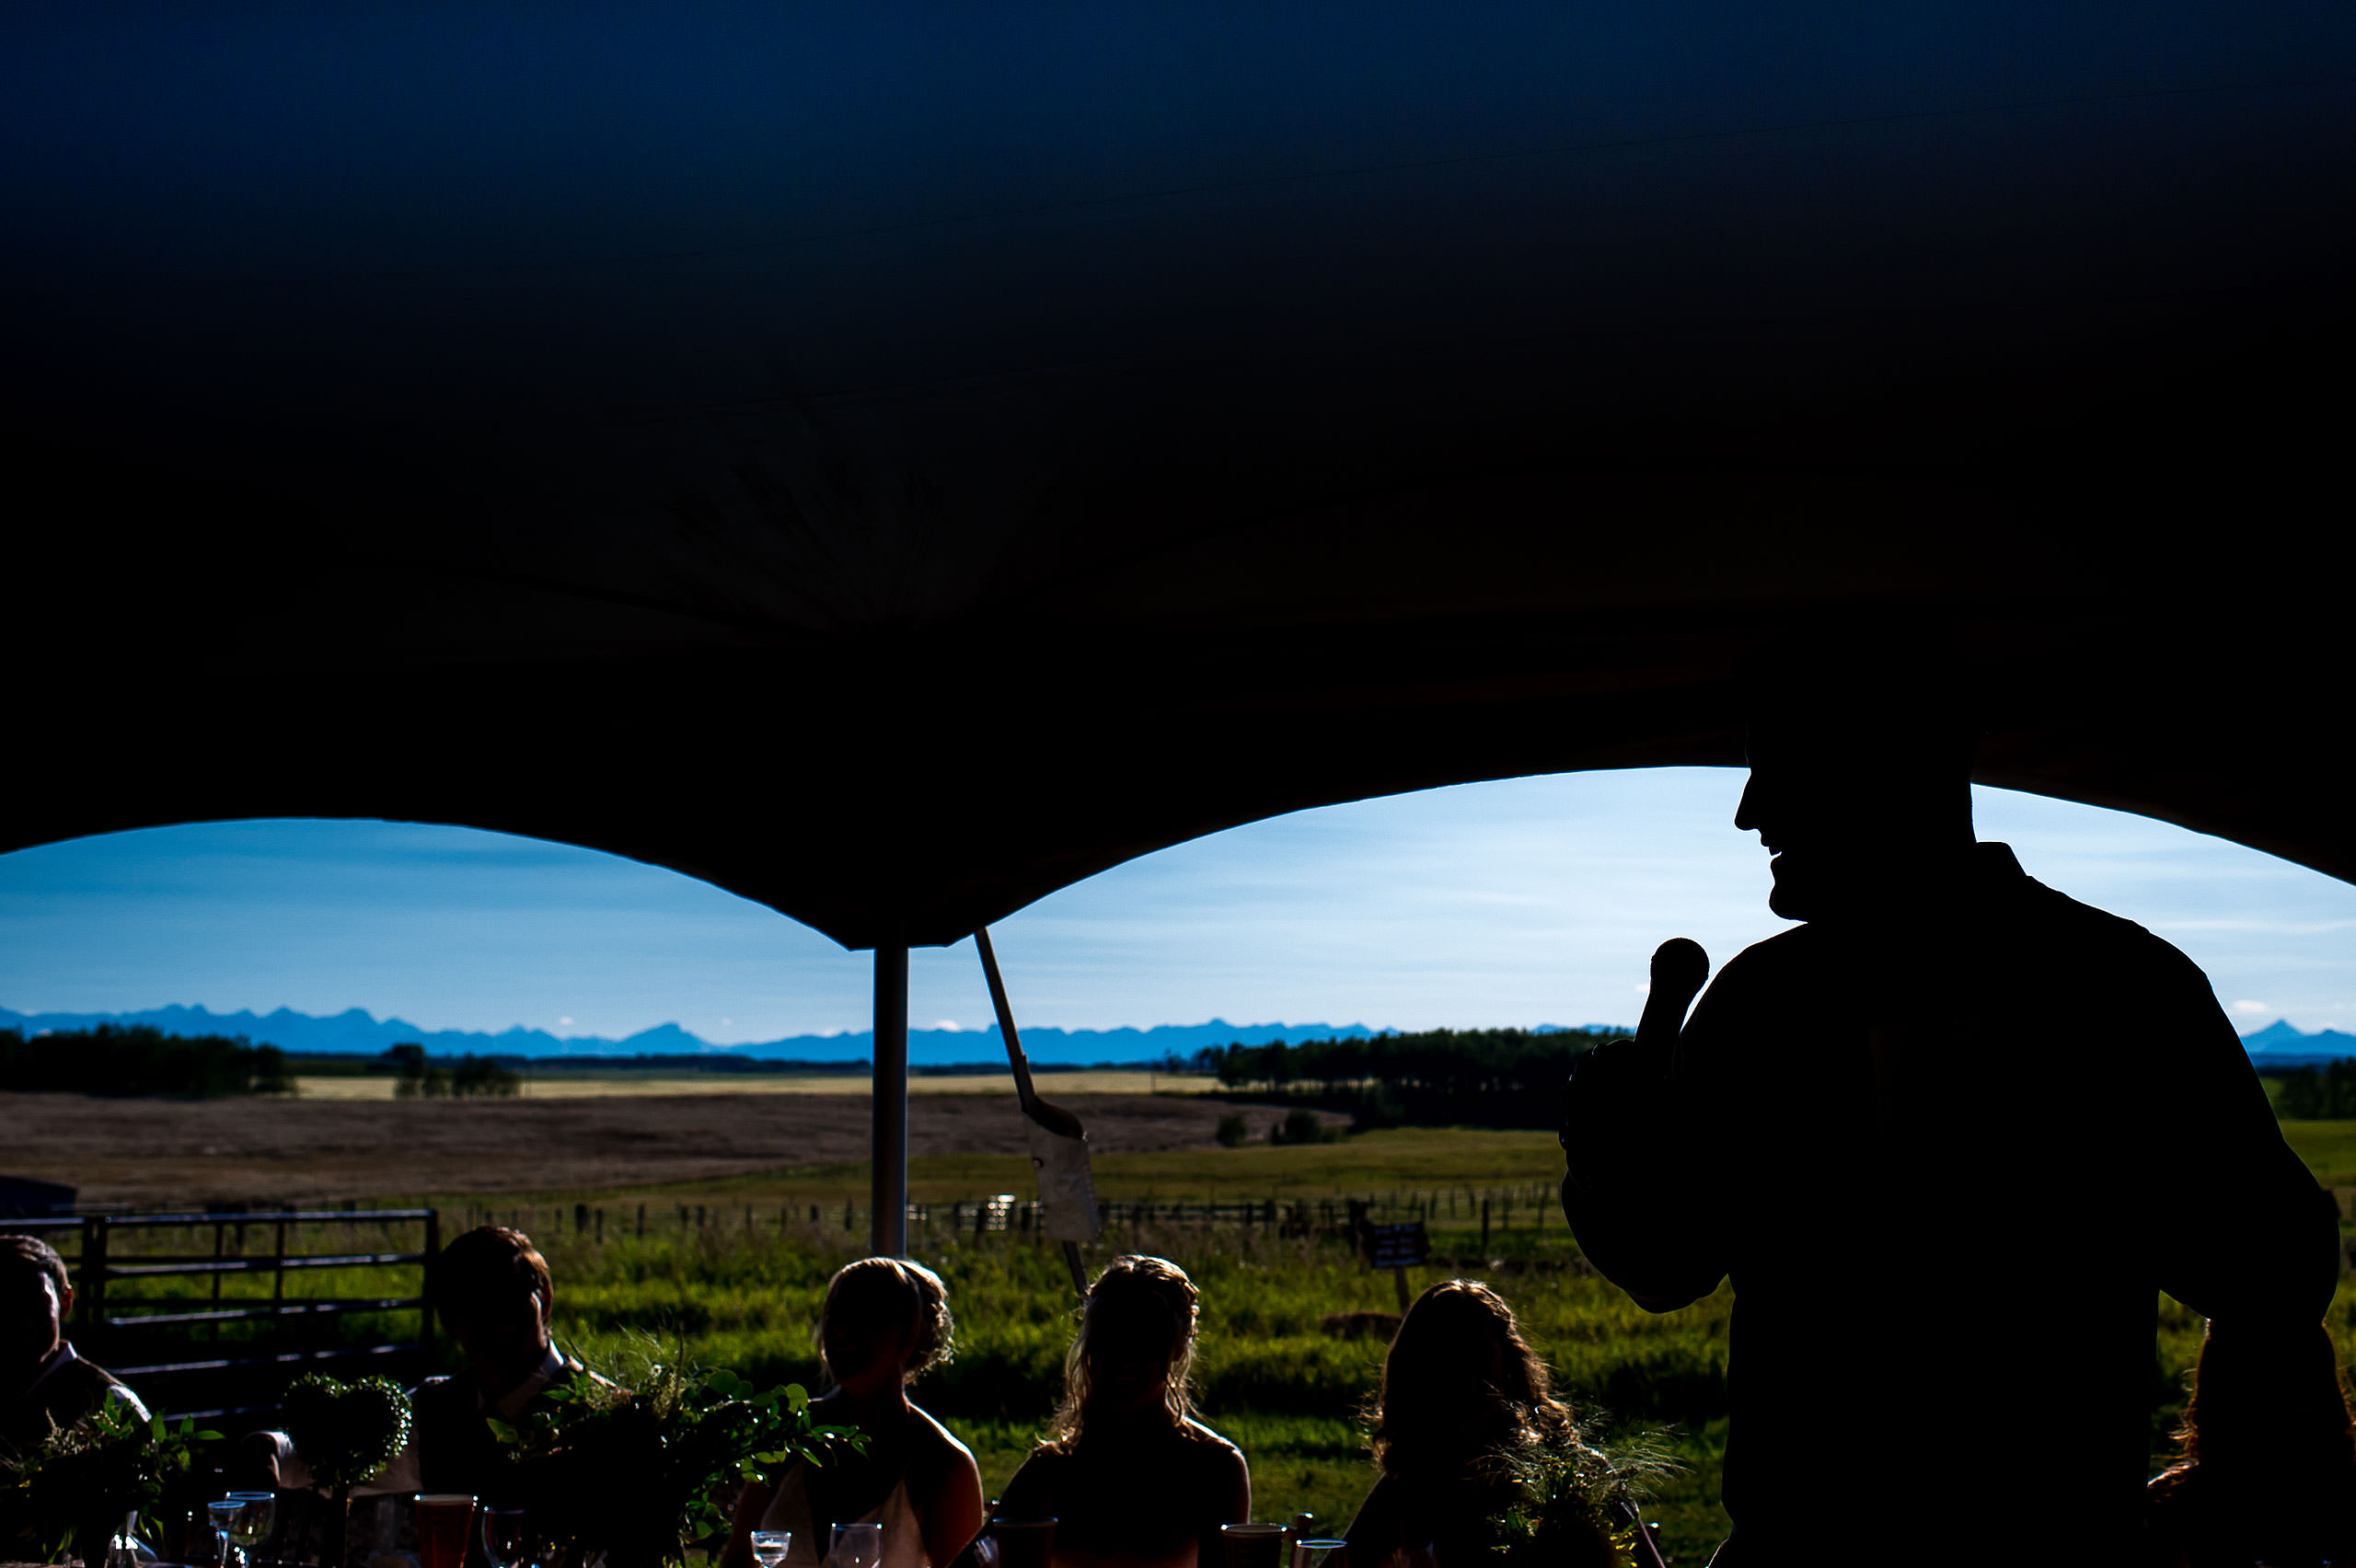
x=1860, y=782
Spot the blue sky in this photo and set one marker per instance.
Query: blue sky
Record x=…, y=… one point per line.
x=1528, y=901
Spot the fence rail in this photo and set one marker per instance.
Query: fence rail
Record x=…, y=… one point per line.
x=1486, y=1210
x=163, y=1338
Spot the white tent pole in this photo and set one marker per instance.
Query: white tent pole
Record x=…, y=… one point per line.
x=888, y=1223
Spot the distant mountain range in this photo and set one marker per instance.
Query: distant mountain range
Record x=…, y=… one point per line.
x=354, y=1031
x=2278, y=1041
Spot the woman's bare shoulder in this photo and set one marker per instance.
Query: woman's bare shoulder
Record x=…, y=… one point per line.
x=1204, y=1435
x=936, y=1436
x=1217, y=1456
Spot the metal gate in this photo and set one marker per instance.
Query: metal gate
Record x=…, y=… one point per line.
x=191, y=1330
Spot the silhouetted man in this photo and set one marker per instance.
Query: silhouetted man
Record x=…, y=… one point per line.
x=1947, y=1138
x=44, y=1386
x=492, y=1290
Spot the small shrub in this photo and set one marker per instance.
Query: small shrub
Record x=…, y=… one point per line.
x=1232, y=1132
x=1301, y=1125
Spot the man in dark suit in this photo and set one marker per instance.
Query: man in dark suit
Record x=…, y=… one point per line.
x=1948, y=1138
x=492, y=1291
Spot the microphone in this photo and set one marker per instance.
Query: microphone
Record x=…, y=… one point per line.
x=1679, y=966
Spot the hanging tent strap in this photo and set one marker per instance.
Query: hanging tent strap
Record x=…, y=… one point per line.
x=1059, y=1143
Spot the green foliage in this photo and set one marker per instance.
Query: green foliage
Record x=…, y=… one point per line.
x=346, y=1432
x=2306, y=1095
x=666, y=1433
x=416, y=1075
x=1232, y=1132
x=1267, y=1372
x=123, y=1060
x=1301, y=1125
x=76, y=1488
x=1577, y=1499
x=483, y=1076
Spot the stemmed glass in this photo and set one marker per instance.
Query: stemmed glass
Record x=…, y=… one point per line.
x=769, y=1547
x=504, y=1540
x=1321, y=1554
x=857, y=1546
x=256, y=1516
x=222, y=1515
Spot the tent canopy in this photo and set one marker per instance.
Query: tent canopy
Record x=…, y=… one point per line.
x=895, y=462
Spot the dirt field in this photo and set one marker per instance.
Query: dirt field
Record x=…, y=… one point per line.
x=180, y=1152
x=588, y=1086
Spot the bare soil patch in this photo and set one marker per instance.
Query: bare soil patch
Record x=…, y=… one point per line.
x=162, y=1152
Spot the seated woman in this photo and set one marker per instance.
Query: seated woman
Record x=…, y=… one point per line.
x=2269, y=1466
x=1465, y=1422
x=885, y=1321
x=1129, y=1475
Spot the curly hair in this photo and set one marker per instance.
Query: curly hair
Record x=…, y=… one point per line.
x=1140, y=1300
x=875, y=1294
x=1461, y=1384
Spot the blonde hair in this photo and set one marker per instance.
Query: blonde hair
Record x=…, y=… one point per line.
x=889, y=1293
x=1153, y=1294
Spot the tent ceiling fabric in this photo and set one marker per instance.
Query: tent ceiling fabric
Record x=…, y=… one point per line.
x=896, y=462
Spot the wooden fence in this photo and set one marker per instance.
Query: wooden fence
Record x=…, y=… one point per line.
x=1488, y=1210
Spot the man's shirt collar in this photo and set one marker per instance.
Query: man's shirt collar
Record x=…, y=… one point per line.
x=517, y=1400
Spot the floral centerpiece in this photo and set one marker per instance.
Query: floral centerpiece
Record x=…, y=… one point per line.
x=81, y=1484
x=632, y=1464
x=1575, y=1501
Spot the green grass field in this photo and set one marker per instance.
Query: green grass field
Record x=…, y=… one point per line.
x=746, y=1295
x=1269, y=1374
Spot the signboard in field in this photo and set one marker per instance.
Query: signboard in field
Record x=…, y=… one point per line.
x=1398, y=1246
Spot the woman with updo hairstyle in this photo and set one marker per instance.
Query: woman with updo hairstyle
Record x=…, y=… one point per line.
x=884, y=1323
x=1465, y=1407
x=1131, y=1477
x=2267, y=1454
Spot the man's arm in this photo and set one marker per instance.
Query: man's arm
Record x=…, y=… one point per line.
x=1635, y=1144
x=1632, y=1209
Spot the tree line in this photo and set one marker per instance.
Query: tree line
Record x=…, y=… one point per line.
x=140, y=1060
x=1486, y=1078
x=2307, y=1095
x=415, y=1075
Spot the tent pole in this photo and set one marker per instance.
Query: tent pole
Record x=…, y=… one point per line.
x=888, y=1223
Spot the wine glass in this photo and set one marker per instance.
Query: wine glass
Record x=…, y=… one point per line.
x=769, y=1547
x=504, y=1540
x=857, y=1546
x=223, y=1513
x=256, y=1516
x=1316, y=1553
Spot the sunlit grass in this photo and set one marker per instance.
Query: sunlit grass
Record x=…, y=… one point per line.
x=743, y=1291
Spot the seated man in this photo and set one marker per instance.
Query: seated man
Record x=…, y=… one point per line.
x=491, y=1290
x=45, y=1385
